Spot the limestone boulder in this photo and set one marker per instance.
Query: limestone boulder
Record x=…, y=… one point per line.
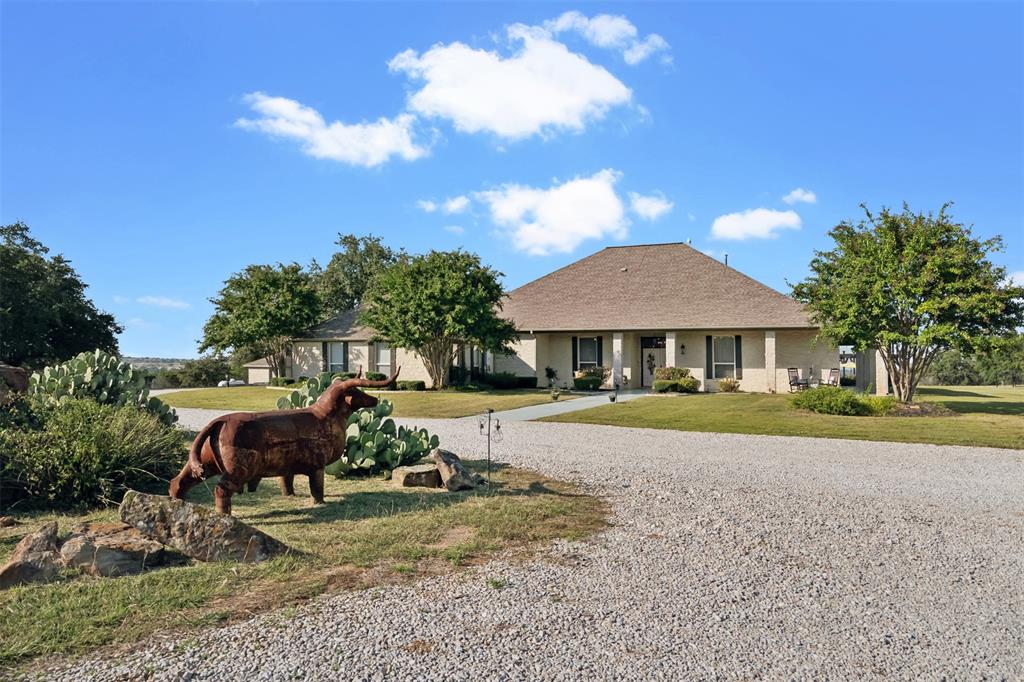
x=417, y=476
x=36, y=559
x=454, y=476
x=110, y=549
x=196, y=531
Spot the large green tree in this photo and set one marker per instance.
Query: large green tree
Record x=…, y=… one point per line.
x=432, y=303
x=45, y=315
x=911, y=285
x=262, y=308
x=343, y=283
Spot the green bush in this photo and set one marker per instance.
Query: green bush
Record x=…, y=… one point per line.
x=671, y=373
x=282, y=381
x=729, y=385
x=685, y=384
x=587, y=383
x=374, y=443
x=101, y=377
x=83, y=453
x=836, y=400
x=411, y=385
x=507, y=380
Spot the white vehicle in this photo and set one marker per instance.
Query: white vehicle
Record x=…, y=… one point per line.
x=233, y=382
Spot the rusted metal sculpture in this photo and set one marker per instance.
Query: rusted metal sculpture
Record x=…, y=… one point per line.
x=244, y=447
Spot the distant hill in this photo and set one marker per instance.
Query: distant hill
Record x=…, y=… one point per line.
x=156, y=363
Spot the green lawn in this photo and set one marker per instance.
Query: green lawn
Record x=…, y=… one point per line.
x=368, y=533
x=989, y=416
x=407, y=403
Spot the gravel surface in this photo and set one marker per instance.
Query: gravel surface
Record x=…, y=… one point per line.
x=730, y=556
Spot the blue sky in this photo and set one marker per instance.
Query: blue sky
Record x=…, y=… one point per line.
x=162, y=147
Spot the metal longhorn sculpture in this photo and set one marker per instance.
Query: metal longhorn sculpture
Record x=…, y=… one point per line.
x=244, y=447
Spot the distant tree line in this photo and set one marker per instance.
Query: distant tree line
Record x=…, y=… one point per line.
x=1001, y=361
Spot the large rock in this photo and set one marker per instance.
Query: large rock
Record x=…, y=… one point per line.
x=453, y=474
x=36, y=559
x=13, y=379
x=417, y=476
x=199, y=532
x=110, y=549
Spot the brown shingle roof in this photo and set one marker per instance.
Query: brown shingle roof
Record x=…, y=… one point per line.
x=343, y=327
x=653, y=286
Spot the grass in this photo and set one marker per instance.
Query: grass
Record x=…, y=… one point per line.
x=439, y=404
x=369, y=533
x=988, y=416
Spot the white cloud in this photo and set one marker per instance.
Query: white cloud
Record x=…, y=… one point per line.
x=456, y=204
x=426, y=205
x=357, y=144
x=691, y=217
x=559, y=218
x=649, y=207
x=139, y=323
x=610, y=32
x=541, y=88
x=1015, y=278
x=454, y=229
x=163, y=302
x=755, y=223
x=800, y=195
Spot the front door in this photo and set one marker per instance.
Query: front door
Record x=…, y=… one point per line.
x=652, y=356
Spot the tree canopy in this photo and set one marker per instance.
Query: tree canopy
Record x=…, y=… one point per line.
x=998, y=361
x=261, y=308
x=45, y=315
x=343, y=283
x=911, y=285
x=432, y=303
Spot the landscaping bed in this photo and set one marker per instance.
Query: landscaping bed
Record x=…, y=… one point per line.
x=369, y=533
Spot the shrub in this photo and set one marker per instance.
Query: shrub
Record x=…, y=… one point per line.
x=101, y=377
x=376, y=376
x=587, y=383
x=457, y=376
x=373, y=443
x=551, y=375
x=602, y=373
x=84, y=453
x=878, y=405
x=412, y=385
x=729, y=385
x=686, y=384
x=282, y=381
x=832, y=400
x=507, y=380
x=671, y=373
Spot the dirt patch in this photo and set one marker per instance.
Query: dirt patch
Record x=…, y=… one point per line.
x=456, y=535
x=920, y=410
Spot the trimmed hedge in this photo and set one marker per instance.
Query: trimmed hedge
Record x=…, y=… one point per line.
x=671, y=373
x=504, y=381
x=587, y=383
x=686, y=384
x=282, y=381
x=411, y=385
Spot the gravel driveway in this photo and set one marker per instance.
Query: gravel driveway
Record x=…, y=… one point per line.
x=730, y=556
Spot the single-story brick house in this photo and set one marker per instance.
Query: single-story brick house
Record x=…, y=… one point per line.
x=630, y=308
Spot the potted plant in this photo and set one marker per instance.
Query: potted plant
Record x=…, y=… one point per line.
x=614, y=395
x=555, y=393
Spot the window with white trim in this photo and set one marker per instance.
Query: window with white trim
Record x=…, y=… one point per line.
x=724, y=356
x=586, y=354
x=384, y=358
x=336, y=356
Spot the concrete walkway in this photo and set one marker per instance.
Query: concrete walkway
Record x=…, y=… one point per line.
x=531, y=412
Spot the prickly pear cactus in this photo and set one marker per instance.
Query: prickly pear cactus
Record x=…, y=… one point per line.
x=374, y=443
x=101, y=377
x=308, y=394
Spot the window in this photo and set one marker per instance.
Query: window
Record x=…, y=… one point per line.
x=724, y=356
x=384, y=358
x=587, y=353
x=336, y=357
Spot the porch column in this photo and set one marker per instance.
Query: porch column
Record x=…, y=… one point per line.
x=881, y=375
x=769, y=360
x=617, y=358
x=670, y=349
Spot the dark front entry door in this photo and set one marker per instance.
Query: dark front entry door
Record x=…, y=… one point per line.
x=652, y=356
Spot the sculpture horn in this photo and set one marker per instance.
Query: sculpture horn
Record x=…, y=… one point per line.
x=366, y=383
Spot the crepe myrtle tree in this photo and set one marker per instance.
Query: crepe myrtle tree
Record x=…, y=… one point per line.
x=432, y=303
x=911, y=285
x=260, y=309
